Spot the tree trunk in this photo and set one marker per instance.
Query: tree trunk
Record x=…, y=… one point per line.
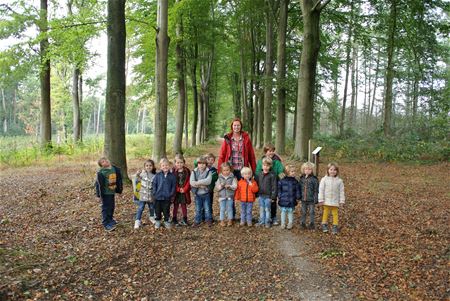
x=307, y=78
x=193, y=76
x=162, y=46
x=347, y=73
x=281, y=77
x=97, y=127
x=375, y=82
x=186, y=111
x=4, y=116
x=80, y=98
x=268, y=73
x=353, y=99
x=76, y=105
x=390, y=69
x=181, y=85
x=236, y=94
x=115, y=86
x=46, y=123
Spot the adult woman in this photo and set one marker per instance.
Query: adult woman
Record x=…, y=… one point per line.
x=237, y=149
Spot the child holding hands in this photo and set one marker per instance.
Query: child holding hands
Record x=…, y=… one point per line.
x=245, y=193
x=200, y=180
x=226, y=185
x=309, y=187
x=331, y=196
x=267, y=183
x=183, y=189
x=163, y=192
x=145, y=178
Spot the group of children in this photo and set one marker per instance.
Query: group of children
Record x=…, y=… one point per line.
x=173, y=185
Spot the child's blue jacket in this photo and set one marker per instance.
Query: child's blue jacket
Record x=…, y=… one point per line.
x=288, y=192
x=164, y=187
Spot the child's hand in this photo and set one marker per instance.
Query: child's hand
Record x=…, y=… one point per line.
x=321, y=203
x=341, y=205
x=181, y=190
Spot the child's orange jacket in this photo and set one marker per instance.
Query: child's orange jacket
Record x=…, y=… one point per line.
x=245, y=192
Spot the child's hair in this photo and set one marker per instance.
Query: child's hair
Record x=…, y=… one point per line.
x=333, y=164
x=164, y=160
x=201, y=160
x=289, y=168
x=210, y=155
x=179, y=157
x=100, y=160
x=268, y=147
x=246, y=170
x=226, y=165
x=267, y=161
x=307, y=165
x=152, y=163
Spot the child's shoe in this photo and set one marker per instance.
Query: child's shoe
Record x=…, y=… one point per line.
x=324, y=228
x=283, y=226
x=303, y=225
x=289, y=226
x=157, y=224
x=222, y=223
x=167, y=225
x=311, y=226
x=152, y=219
x=242, y=224
x=230, y=223
x=183, y=223
x=275, y=222
x=110, y=227
x=267, y=225
x=137, y=224
x=249, y=224
x=196, y=225
x=334, y=230
x=209, y=223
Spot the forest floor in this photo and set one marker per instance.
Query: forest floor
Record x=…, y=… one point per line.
x=394, y=243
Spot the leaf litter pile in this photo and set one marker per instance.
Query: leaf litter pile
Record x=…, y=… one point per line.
x=393, y=245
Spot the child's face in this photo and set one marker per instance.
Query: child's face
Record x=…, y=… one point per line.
x=179, y=164
x=148, y=166
x=226, y=171
x=105, y=163
x=247, y=176
x=308, y=171
x=270, y=153
x=266, y=168
x=165, y=167
x=291, y=172
x=332, y=171
x=210, y=161
x=201, y=166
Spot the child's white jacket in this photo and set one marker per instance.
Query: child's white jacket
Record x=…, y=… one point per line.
x=331, y=191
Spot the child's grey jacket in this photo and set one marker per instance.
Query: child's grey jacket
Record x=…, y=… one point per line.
x=226, y=193
x=200, y=178
x=145, y=194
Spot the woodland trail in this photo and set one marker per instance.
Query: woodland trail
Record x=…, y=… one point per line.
x=52, y=246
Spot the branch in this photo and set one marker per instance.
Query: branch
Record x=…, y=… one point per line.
x=319, y=6
x=77, y=24
x=143, y=22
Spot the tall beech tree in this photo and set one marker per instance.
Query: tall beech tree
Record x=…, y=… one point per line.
x=115, y=86
x=46, y=118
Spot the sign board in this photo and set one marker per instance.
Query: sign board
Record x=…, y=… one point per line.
x=317, y=150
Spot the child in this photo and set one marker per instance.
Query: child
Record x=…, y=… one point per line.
x=245, y=193
x=210, y=159
x=108, y=183
x=331, y=196
x=145, y=178
x=309, y=188
x=288, y=194
x=267, y=183
x=183, y=196
x=226, y=185
x=200, y=181
x=163, y=192
x=277, y=168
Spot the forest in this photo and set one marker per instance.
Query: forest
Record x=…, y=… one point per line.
x=366, y=80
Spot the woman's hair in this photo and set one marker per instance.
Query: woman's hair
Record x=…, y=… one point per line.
x=268, y=147
x=307, y=165
x=152, y=163
x=246, y=170
x=267, y=161
x=179, y=157
x=226, y=165
x=333, y=164
x=233, y=121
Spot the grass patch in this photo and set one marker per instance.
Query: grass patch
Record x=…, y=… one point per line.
x=330, y=253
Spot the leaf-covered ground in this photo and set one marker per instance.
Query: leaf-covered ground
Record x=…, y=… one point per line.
x=394, y=244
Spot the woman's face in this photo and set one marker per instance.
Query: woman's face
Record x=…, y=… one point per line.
x=236, y=127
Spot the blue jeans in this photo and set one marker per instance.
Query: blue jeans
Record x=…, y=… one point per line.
x=108, y=205
x=305, y=206
x=246, y=212
x=264, y=210
x=141, y=207
x=202, y=203
x=226, y=205
x=290, y=213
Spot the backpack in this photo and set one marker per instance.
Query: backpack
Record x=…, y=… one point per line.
x=136, y=189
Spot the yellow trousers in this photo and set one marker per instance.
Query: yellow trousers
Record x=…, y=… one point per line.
x=326, y=213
